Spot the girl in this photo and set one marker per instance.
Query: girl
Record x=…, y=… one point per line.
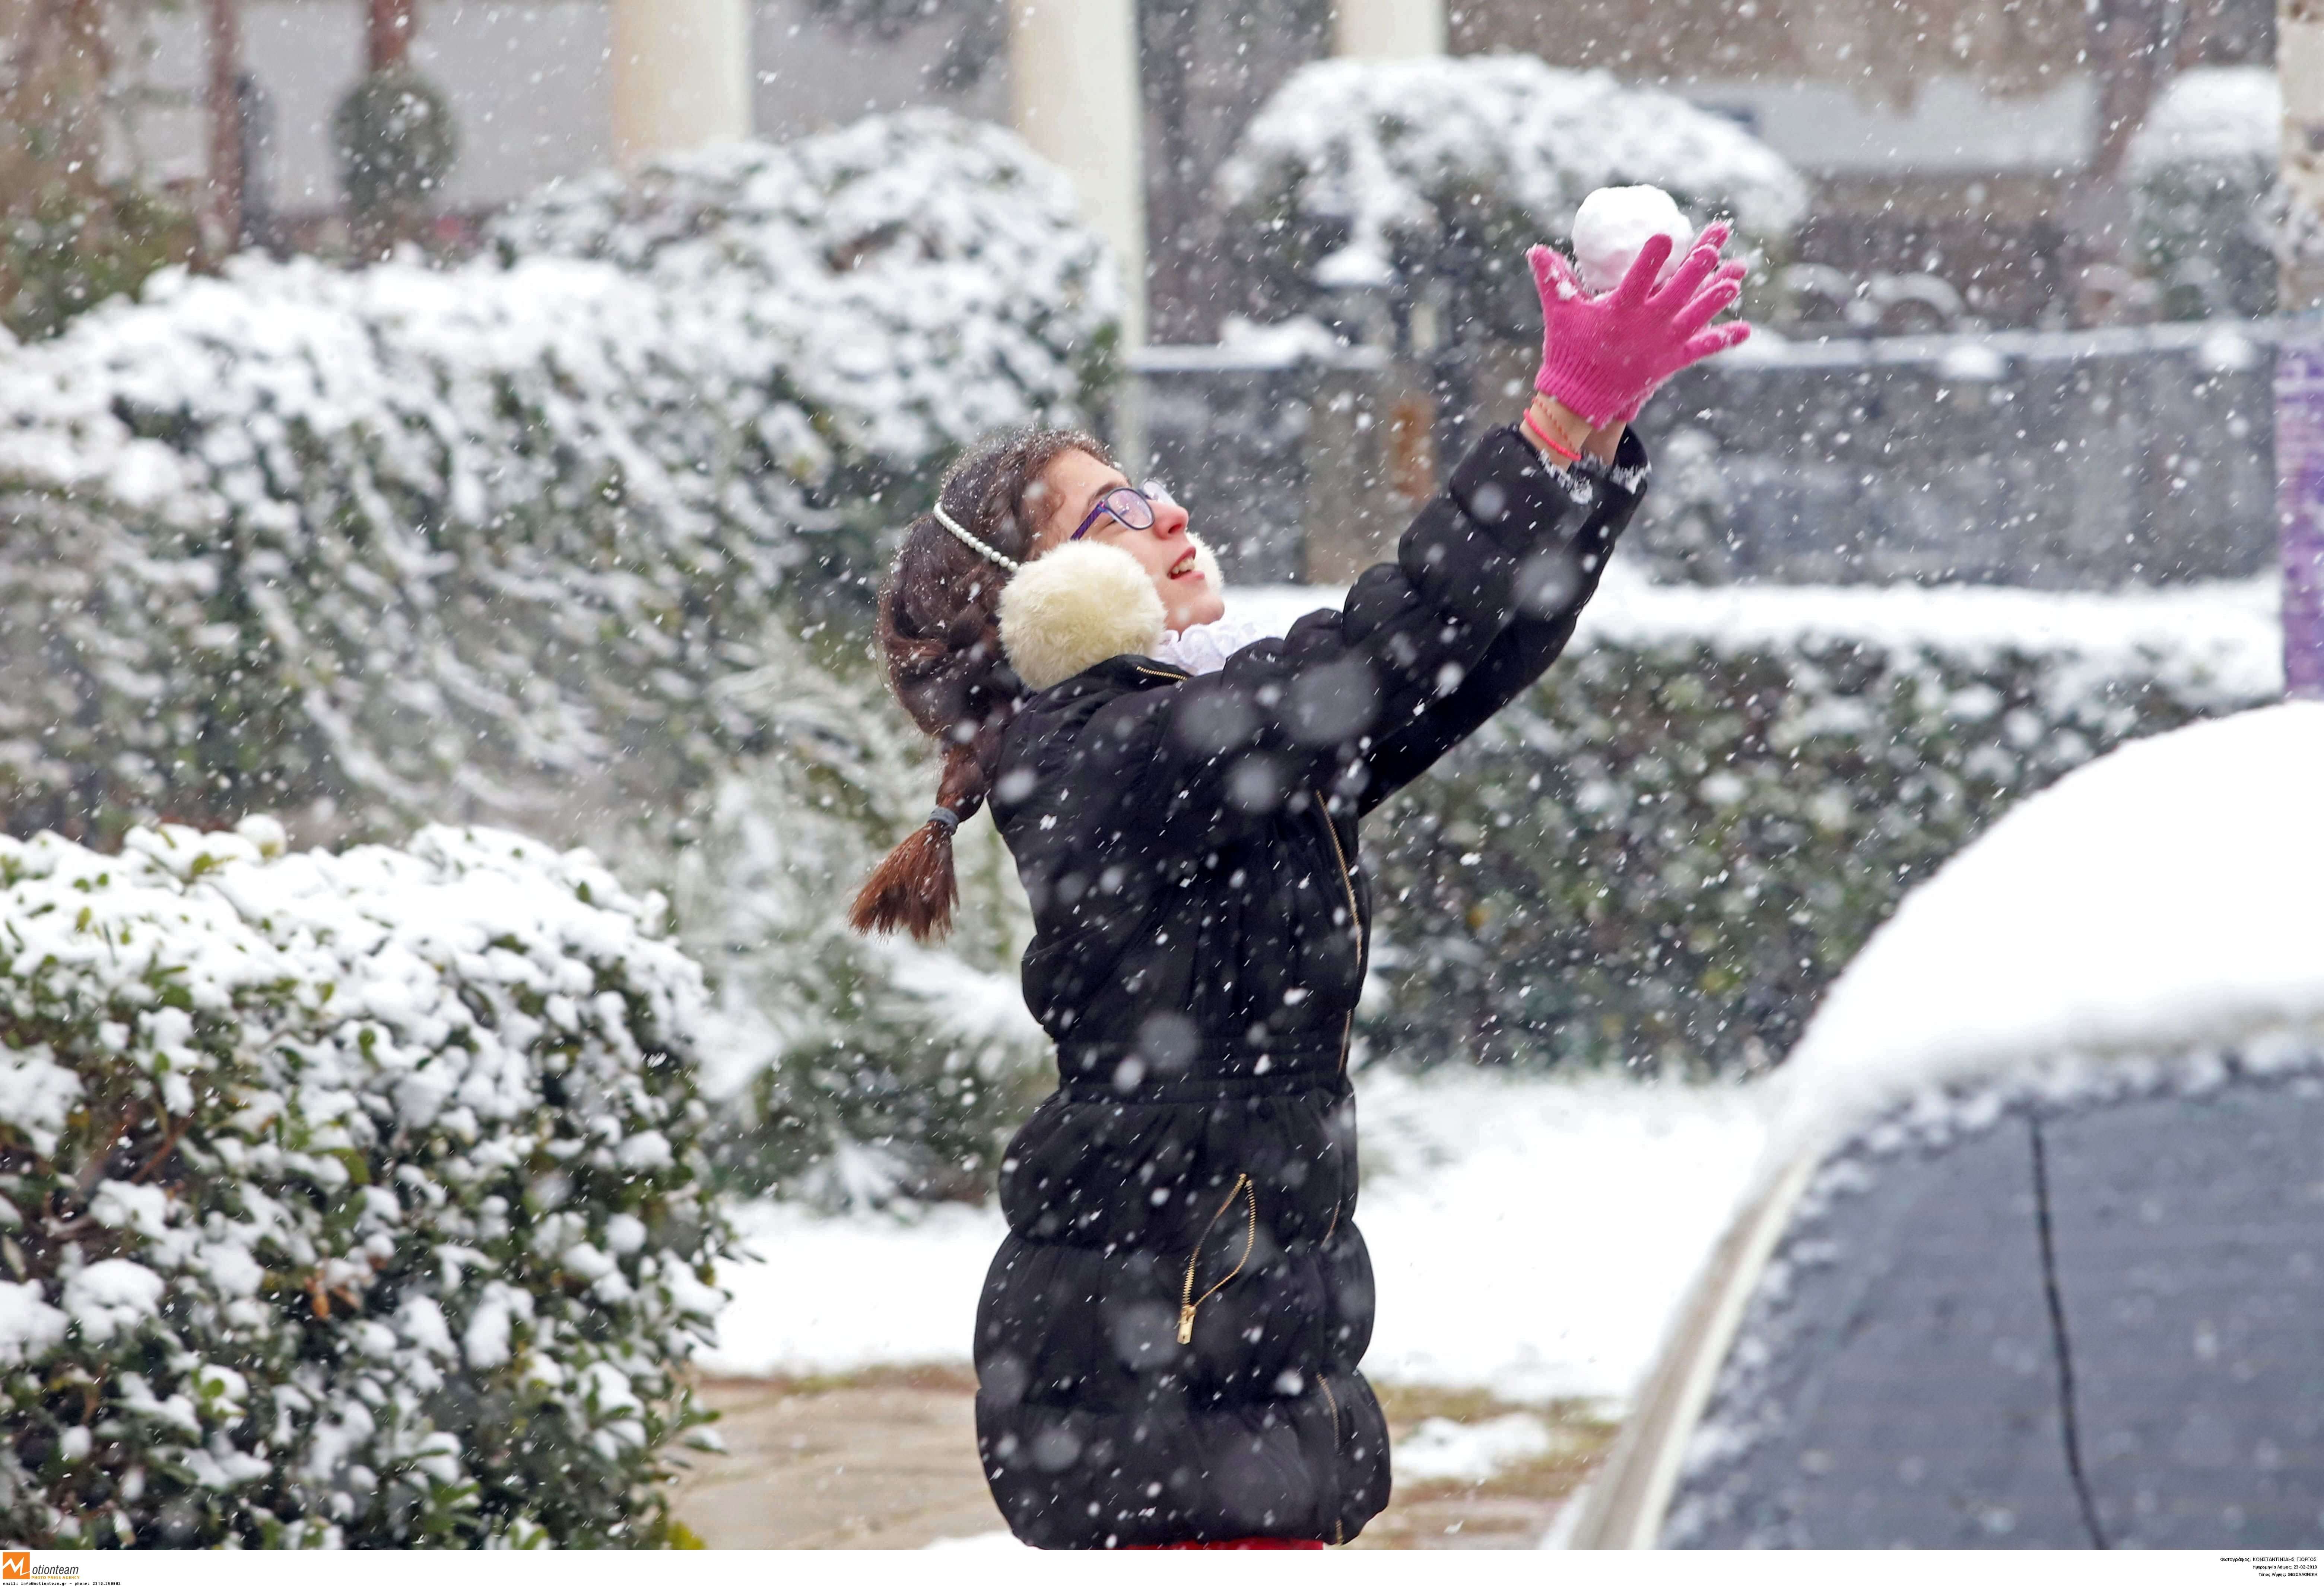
x=1167, y=1344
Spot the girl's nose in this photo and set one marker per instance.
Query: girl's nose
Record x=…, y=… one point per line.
x=1169, y=519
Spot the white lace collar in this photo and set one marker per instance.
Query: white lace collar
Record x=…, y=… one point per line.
x=1205, y=647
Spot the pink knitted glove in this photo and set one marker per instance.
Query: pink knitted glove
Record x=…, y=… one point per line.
x=1604, y=356
x=1734, y=270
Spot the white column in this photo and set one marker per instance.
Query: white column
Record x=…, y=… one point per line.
x=681, y=72
x=1073, y=68
x=1388, y=29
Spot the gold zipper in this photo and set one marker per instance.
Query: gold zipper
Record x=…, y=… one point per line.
x=1355, y=916
x=1338, y=1527
x=1187, y=1300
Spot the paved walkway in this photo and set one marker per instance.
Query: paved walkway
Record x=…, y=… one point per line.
x=887, y=1460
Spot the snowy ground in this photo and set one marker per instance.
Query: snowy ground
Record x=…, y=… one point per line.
x=1530, y=1236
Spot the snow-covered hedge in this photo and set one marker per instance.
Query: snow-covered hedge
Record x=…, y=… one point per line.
x=1403, y=172
x=852, y=1071
x=1664, y=854
x=2204, y=196
x=1659, y=858
x=348, y=1199
x=400, y=540
x=375, y=545
x=914, y=280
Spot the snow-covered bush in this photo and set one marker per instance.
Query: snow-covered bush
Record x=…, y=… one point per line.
x=400, y=540
x=1664, y=854
x=1658, y=858
x=483, y=540
x=348, y=1199
x=916, y=280
x=1399, y=174
x=853, y=1070
x=2205, y=197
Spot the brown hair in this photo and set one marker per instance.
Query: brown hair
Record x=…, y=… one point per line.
x=940, y=629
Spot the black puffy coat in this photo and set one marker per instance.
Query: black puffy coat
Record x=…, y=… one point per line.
x=1167, y=1342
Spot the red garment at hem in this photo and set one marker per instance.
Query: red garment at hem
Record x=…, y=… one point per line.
x=1243, y=1543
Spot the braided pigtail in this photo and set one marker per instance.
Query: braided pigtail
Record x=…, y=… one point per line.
x=940, y=630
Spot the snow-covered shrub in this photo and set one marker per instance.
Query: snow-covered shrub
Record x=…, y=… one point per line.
x=853, y=1070
x=2204, y=193
x=344, y=1199
x=482, y=540
x=917, y=279
x=401, y=539
x=1398, y=173
x=1664, y=854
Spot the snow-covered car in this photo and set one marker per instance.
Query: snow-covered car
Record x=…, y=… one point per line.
x=2037, y=1256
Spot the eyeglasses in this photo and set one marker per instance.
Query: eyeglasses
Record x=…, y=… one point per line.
x=1131, y=506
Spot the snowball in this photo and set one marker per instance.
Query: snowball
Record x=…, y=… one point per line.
x=1614, y=223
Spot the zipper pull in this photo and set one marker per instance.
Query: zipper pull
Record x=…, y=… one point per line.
x=1185, y=1325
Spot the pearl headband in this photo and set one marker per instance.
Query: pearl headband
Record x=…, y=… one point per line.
x=972, y=542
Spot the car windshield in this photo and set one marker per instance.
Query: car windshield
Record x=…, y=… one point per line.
x=2038, y=1324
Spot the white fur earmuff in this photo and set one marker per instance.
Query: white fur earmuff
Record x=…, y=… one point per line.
x=1083, y=604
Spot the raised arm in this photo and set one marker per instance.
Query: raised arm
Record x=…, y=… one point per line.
x=1346, y=699
x=1517, y=656
x=1478, y=600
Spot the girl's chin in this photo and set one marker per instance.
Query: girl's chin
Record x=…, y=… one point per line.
x=1194, y=613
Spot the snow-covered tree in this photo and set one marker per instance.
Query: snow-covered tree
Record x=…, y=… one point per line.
x=379, y=545
x=1399, y=173
x=348, y=1199
x=2204, y=194
x=539, y=540
x=382, y=544
x=917, y=280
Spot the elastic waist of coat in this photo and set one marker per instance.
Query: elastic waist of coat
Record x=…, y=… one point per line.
x=1288, y=1082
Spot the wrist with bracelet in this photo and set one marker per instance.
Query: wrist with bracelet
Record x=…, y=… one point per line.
x=1545, y=435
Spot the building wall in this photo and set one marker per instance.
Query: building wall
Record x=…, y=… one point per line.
x=1885, y=48
x=529, y=84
